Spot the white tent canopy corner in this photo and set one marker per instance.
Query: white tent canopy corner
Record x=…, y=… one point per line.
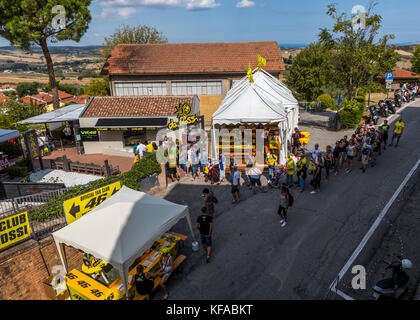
x=121, y=228
x=63, y=114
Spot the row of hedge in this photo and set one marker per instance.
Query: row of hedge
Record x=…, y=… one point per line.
x=140, y=170
x=19, y=169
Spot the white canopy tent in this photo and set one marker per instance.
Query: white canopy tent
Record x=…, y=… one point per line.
x=267, y=100
x=121, y=228
x=8, y=134
x=68, y=113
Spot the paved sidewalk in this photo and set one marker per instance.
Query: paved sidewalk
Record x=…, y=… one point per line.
x=124, y=163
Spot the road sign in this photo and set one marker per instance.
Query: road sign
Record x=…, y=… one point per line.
x=389, y=85
x=76, y=207
x=389, y=76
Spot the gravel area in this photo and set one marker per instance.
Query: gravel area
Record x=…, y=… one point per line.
x=69, y=179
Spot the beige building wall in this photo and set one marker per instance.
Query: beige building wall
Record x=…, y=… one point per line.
x=208, y=106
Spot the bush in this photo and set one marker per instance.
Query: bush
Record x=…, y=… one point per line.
x=17, y=171
x=140, y=170
x=11, y=149
x=326, y=101
x=351, y=114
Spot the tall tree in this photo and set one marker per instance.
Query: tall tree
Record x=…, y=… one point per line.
x=415, y=60
x=26, y=23
x=307, y=74
x=356, y=57
x=131, y=35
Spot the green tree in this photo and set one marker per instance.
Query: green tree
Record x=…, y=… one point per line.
x=355, y=57
x=131, y=35
x=26, y=23
x=307, y=74
x=15, y=112
x=415, y=60
x=98, y=87
x=27, y=89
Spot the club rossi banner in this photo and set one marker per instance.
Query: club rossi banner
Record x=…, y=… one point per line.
x=76, y=207
x=14, y=229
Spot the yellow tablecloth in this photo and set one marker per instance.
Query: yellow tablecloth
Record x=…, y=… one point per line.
x=83, y=287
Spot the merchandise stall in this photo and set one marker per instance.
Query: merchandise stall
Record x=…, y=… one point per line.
x=249, y=106
x=126, y=230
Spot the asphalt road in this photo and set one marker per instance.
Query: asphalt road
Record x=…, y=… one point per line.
x=254, y=258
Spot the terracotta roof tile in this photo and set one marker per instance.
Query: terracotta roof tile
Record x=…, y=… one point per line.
x=403, y=74
x=192, y=58
x=134, y=106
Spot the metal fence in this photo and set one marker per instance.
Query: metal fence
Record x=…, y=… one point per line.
x=41, y=201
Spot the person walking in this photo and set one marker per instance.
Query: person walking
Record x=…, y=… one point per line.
x=284, y=205
x=398, y=131
x=290, y=170
x=205, y=226
x=316, y=182
x=236, y=184
x=385, y=128
x=255, y=176
x=209, y=201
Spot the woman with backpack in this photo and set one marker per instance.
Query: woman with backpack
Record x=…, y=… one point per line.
x=286, y=200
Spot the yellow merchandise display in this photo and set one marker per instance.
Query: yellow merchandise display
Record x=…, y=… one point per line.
x=81, y=286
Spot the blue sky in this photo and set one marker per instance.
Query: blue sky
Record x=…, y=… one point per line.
x=285, y=21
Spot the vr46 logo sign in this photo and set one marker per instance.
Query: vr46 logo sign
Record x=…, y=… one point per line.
x=14, y=229
x=76, y=207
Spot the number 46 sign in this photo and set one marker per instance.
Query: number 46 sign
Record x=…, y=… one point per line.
x=76, y=207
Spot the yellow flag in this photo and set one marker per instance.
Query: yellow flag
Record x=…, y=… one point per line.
x=249, y=74
x=261, y=62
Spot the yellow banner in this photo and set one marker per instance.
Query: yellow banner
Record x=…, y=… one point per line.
x=14, y=229
x=83, y=287
x=76, y=207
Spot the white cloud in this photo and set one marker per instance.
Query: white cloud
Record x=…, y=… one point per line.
x=245, y=4
x=187, y=4
x=122, y=12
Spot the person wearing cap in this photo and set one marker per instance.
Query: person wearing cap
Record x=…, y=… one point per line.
x=290, y=168
x=301, y=171
x=236, y=183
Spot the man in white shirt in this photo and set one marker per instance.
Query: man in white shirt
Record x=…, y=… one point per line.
x=141, y=148
x=315, y=152
x=236, y=183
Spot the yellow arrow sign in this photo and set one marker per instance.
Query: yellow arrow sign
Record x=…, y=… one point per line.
x=76, y=207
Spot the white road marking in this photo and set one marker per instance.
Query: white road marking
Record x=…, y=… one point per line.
x=397, y=114
x=372, y=229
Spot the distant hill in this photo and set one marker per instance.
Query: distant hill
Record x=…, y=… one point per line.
x=58, y=49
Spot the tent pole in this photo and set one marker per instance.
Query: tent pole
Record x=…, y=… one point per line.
x=62, y=254
x=124, y=277
x=188, y=217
